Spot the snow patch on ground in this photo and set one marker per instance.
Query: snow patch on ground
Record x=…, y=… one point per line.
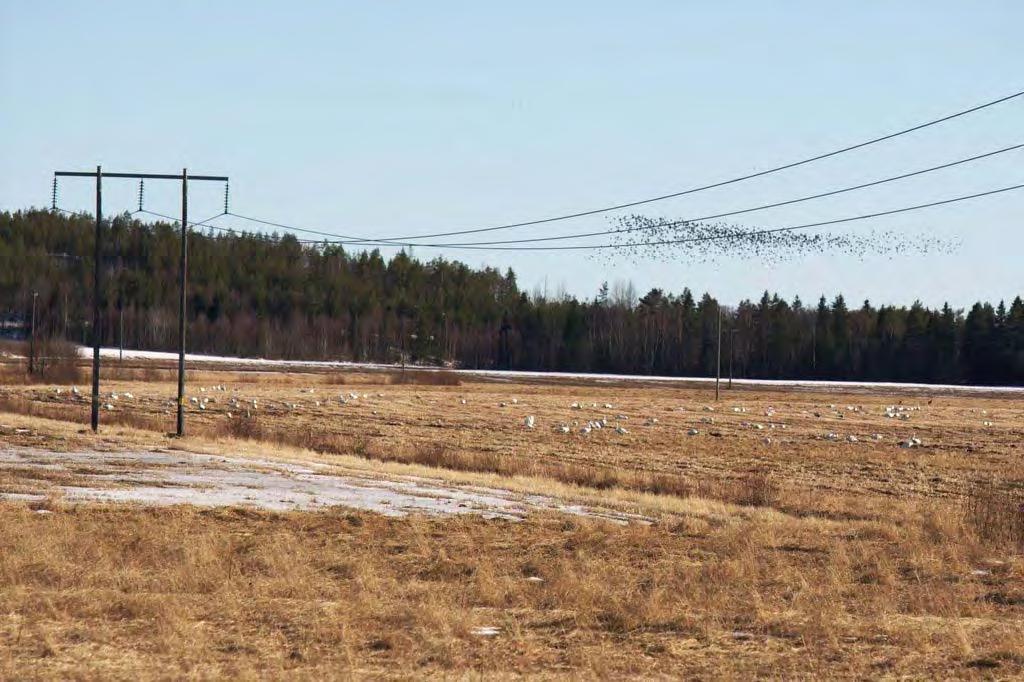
x=173, y=477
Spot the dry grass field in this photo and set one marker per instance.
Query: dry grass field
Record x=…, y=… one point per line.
x=770, y=543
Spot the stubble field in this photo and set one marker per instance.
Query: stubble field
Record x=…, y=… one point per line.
x=793, y=533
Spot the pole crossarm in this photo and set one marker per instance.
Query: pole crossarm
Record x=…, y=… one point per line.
x=141, y=176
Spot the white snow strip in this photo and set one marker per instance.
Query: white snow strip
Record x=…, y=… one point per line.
x=164, y=478
x=513, y=374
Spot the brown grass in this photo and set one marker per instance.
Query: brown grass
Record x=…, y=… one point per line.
x=995, y=512
x=419, y=377
x=182, y=592
x=846, y=559
x=116, y=372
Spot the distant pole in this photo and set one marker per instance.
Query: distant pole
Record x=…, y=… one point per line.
x=120, y=333
x=32, y=337
x=718, y=374
x=183, y=282
x=732, y=344
x=96, y=293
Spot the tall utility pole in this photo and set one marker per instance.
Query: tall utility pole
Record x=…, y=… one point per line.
x=97, y=292
x=718, y=375
x=99, y=175
x=32, y=337
x=183, y=283
x=732, y=353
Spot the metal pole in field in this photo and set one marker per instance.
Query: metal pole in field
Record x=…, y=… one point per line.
x=718, y=375
x=183, y=282
x=32, y=337
x=96, y=293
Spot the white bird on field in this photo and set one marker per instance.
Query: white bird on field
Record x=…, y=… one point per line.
x=108, y=406
x=75, y=391
x=833, y=436
x=564, y=428
x=852, y=438
x=529, y=421
x=693, y=432
x=585, y=430
x=621, y=430
x=608, y=406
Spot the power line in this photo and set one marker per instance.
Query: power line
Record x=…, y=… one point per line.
x=587, y=247
x=271, y=223
x=583, y=247
x=667, y=242
x=662, y=224
x=692, y=190
x=218, y=228
x=762, y=207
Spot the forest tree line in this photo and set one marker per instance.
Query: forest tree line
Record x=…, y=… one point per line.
x=271, y=296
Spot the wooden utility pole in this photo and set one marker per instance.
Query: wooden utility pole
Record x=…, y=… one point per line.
x=32, y=337
x=718, y=374
x=183, y=283
x=97, y=291
x=732, y=353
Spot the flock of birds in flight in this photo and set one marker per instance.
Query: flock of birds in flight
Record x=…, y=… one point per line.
x=642, y=237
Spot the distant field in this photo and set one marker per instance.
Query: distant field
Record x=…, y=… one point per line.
x=860, y=531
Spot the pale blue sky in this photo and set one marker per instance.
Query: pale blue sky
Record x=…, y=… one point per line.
x=404, y=117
